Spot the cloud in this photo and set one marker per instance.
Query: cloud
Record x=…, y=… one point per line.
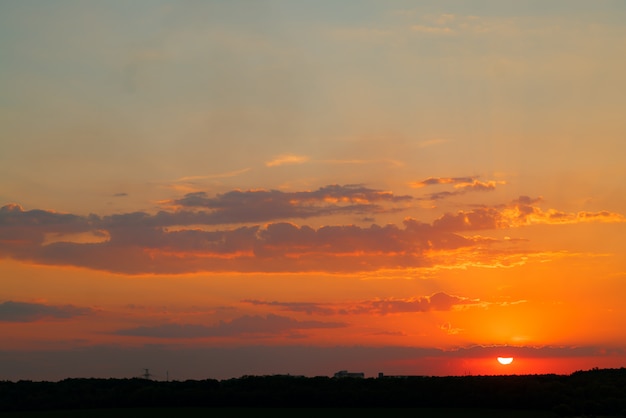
x=437, y=302
x=306, y=307
x=478, y=219
x=11, y=311
x=21, y=230
x=178, y=241
x=285, y=159
x=144, y=247
x=602, y=216
x=461, y=185
x=120, y=195
x=449, y=329
x=15, y=215
x=522, y=212
x=264, y=205
x=247, y=325
x=519, y=212
x=432, y=181
x=478, y=185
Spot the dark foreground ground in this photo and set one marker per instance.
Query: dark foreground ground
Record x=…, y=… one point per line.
x=590, y=393
x=284, y=412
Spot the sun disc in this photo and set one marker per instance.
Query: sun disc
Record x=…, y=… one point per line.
x=505, y=360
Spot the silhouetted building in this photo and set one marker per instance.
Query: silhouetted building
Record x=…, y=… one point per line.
x=345, y=373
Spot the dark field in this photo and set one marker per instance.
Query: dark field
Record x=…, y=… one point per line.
x=285, y=412
x=591, y=393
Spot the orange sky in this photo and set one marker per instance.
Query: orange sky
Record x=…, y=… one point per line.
x=224, y=189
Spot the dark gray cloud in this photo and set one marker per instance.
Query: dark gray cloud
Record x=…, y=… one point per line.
x=441, y=195
x=433, y=181
x=332, y=193
x=247, y=325
x=306, y=307
x=266, y=205
x=437, y=302
x=11, y=311
x=15, y=220
x=138, y=247
x=228, y=208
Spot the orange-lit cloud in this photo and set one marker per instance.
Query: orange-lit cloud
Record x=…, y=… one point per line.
x=519, y=212
x=478, y=185
x=449, y=329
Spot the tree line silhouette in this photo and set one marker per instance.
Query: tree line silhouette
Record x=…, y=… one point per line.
x=593, y=392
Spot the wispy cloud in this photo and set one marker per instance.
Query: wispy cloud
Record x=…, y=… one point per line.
x=449, y=329
x=284, y=159
x=11, y=311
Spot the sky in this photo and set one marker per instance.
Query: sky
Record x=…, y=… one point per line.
x=213, y=189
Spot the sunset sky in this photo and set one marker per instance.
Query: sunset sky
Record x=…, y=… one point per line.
x=210, y=189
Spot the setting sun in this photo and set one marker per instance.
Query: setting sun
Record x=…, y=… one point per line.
x=505, y=360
